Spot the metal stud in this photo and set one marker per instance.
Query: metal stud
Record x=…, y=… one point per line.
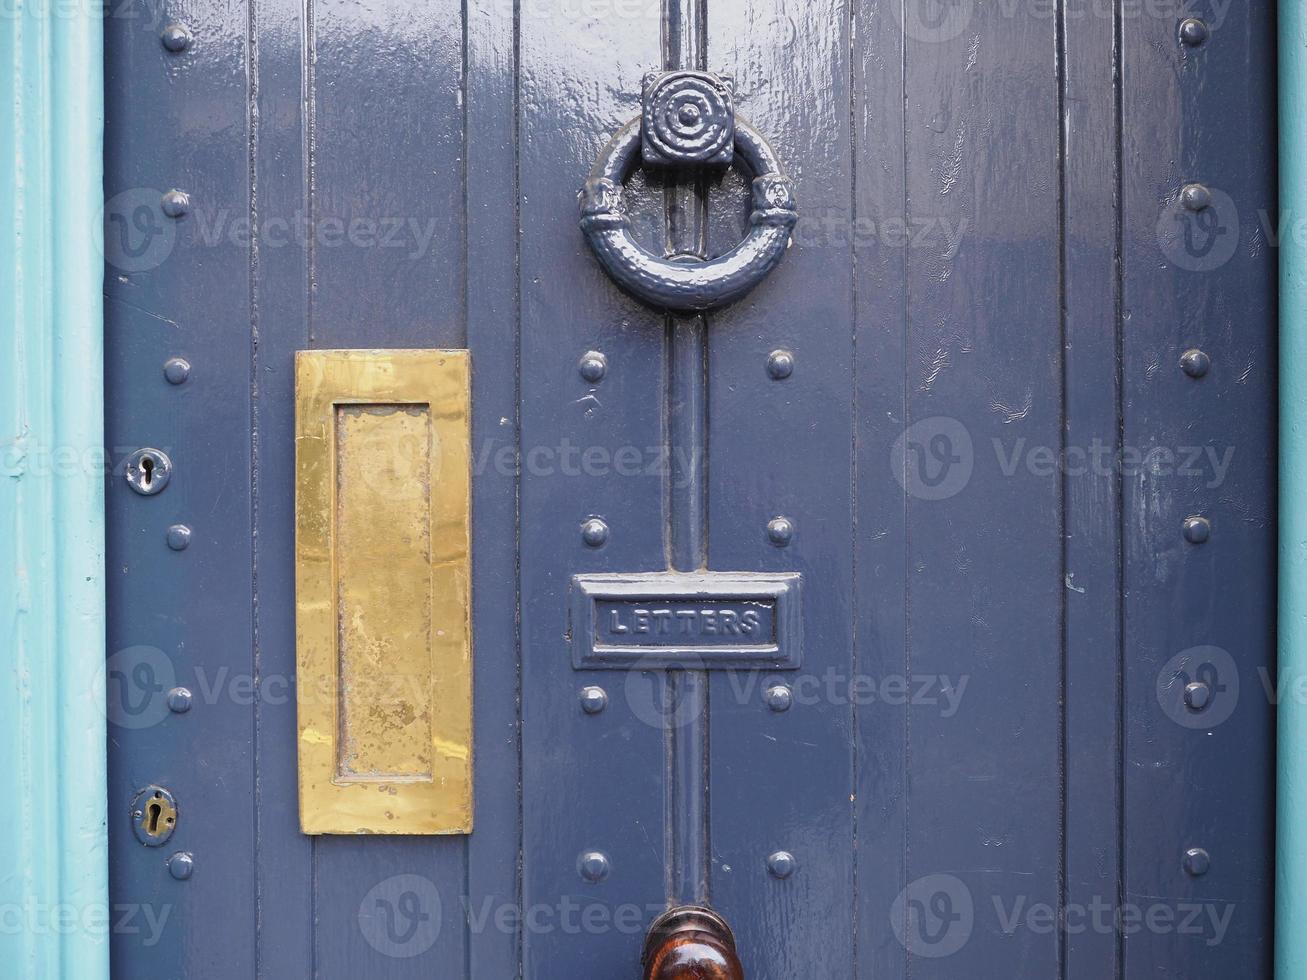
x=176, y=37
x=1193, y=31
x=1197, y=695
x=593, y=700
x=779, y=531
x=148, y=471
x=181, y=865
x=1195, y=362
x=175, y=203
x=780, y=364
x=1197, y=529
x=779, y=697
x=594, y=532
x=593, y=866
x=176, y=370
x=593, y=366
x=782, y=864
x=179, y=700
x=1197, y=861
x=1195, y=197
x=179, y=536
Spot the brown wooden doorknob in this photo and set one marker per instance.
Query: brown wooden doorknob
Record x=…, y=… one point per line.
x=691, y=943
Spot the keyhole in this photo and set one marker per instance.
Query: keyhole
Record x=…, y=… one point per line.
x=159, y=816
x=148, y=470
x=154, y=815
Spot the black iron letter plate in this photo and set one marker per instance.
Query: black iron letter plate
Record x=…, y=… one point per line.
x=708, y=620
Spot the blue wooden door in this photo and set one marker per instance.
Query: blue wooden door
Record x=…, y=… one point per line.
x=1001, y=421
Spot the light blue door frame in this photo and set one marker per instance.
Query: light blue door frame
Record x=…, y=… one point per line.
x=1291, y=859
x=54, y=912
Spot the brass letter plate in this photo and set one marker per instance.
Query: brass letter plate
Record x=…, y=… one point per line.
x=382, y=489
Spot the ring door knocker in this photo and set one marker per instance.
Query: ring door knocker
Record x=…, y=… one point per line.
x=688, y=119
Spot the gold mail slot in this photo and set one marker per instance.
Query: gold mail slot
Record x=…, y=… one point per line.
x=382, y=568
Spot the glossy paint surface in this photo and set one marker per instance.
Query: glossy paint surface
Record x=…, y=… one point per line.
x=53, y=886
x=984, y=453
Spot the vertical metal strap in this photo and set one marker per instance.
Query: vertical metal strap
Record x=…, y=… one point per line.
x=684, y=44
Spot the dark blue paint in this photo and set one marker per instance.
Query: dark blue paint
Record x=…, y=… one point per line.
x=985, y=577
x=492, y=298
x=1210, y=119
x=590, y=782
x=1091, y=500
x=180, y=617
x=784, y=781
x=1038, y=767
x=286, y=893
x=878, y=531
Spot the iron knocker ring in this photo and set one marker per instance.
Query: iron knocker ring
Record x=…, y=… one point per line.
x=677, y=284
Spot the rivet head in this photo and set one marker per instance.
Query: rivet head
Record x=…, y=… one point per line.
x=179, y=536
x=1197, y=861
x=176, y=370
x=594, y=532
x=593, y=366
x=1193, y=31
x=175, y=203
x=779, y=697
x=593, y=866
x=1195, y=197
x=176, y=37
x=1197, y=695
x=179, y=700
x=1197, y=529
x=779, y=531
x=181, y=865
x=148, y=471
x=1195, y=363
x=782, y=864
x=780, y=364
x=593, y=700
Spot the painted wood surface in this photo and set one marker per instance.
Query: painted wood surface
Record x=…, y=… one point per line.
x=54, y=897
x=985, y=449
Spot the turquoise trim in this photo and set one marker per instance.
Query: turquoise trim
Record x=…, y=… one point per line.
x=1291, y=818
x=54, y=913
